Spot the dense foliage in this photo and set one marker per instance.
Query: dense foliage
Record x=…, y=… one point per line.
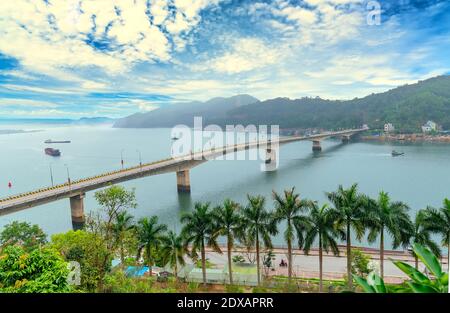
x=407, y=107
x=435, y=282
x=41, y=270
x=28, y=236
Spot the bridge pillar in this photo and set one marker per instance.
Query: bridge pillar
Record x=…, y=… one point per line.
x=316, y=146
x=77, y=210
x=346, y=138
x=183, y=181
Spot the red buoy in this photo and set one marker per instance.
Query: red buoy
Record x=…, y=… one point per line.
x=9, y=185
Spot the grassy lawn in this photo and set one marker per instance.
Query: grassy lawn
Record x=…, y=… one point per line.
x=245, y=270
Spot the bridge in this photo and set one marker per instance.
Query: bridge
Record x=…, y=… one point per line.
x=76, y=190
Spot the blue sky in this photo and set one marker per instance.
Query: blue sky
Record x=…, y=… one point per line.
x=80, y=58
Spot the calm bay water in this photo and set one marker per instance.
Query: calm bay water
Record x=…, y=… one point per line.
x=420, y=178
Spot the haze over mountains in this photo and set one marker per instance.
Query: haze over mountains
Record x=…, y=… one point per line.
x=184, y=113
x=407, y=107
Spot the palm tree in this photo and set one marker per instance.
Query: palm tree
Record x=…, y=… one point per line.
x=258, y=226
x=438, y=221
x=228, y=223
x=288, y=209
x=320, y=223
x=123, y=224
x=173, y=251
x=199, y=231
x=421, y=234
x=387, y=217
x=149, y=235
x=348, y=206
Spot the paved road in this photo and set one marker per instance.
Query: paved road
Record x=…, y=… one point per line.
x=333, y=267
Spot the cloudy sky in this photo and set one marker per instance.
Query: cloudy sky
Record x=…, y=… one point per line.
x=78, y=58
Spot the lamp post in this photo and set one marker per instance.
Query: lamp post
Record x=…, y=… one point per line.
x=121, y=157
x=51, y=173
x=68, y=175
x=140, y=158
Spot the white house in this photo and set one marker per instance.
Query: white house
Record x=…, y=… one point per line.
x=388, y=127
x=429, y=127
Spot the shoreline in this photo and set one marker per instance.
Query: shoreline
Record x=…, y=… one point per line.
x=421, y=138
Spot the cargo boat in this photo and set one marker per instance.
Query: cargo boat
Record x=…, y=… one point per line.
x=56, y=141
x=52, y=152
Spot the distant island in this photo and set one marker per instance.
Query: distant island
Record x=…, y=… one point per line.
x=408, y=107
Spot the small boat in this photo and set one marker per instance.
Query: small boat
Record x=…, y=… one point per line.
x=396, y=153
x=56, y=141
x=52, y=152
x=175, y=138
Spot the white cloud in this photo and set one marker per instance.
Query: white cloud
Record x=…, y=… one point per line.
x=375, y=70
x=35, y=89
x=245, y=54
x=143, y=105
x=55, y=38
x=298, y=14
x=46, y=113
x=26, y=103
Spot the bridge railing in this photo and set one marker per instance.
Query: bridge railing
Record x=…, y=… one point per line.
x=110, y=173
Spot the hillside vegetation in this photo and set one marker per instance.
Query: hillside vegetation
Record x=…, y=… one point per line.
x=407, y=107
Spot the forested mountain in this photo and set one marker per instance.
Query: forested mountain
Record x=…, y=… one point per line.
x=407, y=107
x=183, y=113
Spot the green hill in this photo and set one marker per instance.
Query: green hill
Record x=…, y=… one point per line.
x=407, y=107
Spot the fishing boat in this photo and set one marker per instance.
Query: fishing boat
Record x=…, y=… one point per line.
x=175, y=138
x=396, y=153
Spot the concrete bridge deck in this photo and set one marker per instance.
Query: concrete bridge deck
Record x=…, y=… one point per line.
x=75, y=190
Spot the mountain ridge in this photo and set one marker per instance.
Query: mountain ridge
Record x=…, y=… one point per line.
x=407, y=107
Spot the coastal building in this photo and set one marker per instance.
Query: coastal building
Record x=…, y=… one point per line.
x=388, y=127
x=429, y=127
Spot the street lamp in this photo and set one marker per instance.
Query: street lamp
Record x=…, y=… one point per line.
x=121, y=157
x=140, y=158
x=68, y=175
x=51, y=173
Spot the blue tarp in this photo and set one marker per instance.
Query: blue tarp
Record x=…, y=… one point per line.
x=136, y=271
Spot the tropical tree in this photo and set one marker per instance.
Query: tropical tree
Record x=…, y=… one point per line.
x=227, y=222
x=199, y=231
x=113, y=201
x=288, y=208
x=173, y=251
x=419, y=283
x=320, y=224
x=348, y=206
x=24, y=234
x=122, y=225
x=259, y=226
x=438, y=221
x=421, y=234
x=90, y=251
x=149, y=235
x=388, y=217
x=39, y=271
